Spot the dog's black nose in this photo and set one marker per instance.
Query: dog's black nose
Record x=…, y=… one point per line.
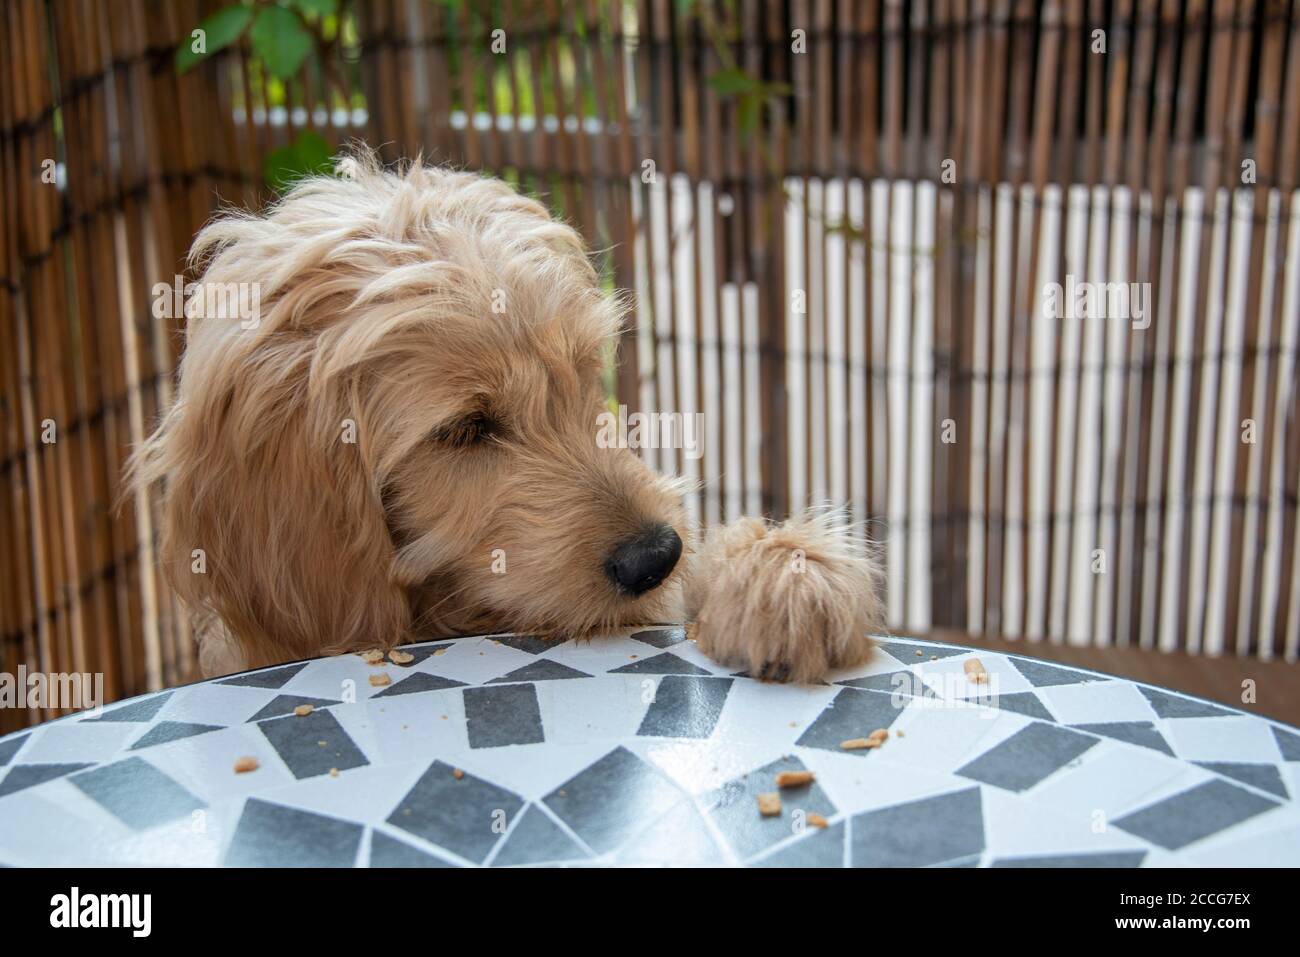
x=643, y=561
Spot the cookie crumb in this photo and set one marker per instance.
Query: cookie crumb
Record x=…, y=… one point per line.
x=400, y=657
x=245, y=764
x=457, y=773
x=334, y=772
x=374, y=656
x=920, y=654
x=794, y=779
x=899, y=734
x=379, y=680
x=857, y=744
x=769, y=804
x=816, y=820
x=304, y=709
x=975, y=672
x=878, y=735
x=440, y=651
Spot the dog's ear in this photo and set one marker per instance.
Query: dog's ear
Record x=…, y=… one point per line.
x=272, y=517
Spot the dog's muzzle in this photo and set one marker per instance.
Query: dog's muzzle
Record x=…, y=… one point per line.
x=642, y=562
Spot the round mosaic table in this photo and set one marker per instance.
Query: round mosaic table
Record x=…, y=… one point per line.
x=637, y=749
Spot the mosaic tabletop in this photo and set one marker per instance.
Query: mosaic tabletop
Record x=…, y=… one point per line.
x=637, y=749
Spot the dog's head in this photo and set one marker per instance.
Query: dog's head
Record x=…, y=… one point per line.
x=404, y=437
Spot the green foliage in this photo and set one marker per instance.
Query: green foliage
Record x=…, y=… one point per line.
x=280, y=39
x=219, y=31
x=305, y=156
x=282, y=35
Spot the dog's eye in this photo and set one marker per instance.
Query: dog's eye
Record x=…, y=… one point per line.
x=473, y=429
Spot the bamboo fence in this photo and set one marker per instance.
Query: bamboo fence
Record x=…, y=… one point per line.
x=840, y=221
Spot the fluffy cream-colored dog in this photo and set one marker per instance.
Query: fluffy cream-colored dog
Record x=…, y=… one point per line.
x=403, y=446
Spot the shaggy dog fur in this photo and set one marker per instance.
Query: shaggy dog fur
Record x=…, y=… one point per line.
x=404, y=447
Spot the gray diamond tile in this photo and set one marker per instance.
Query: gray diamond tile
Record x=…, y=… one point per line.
x=1099, y=859
x=819, y=847
x=1020, y=702
x=852, y=714
x=665, y=663
x=1027, y=757
x=464, y=815
x=907, y=654
x=283, y=704
x=1288, y=743
x=9, y=747
x=272, y=835
x=932, y=830
x=23, y=776
x=389, y=852
x=1194, y=814
x=165, y=731
x=143, y=709
x=1141, y=733
x=661, y=637
x=1262, y=776
x=298, y=742
x=501, y=715
x=418, y=683
x=137, y=793
x=894, y=682
x=272, y=679
x=536, y=839
x=685, y=706
x=734, y=807
x=611, y=799
x=1172, y=706
x=532, y=644
x=1042, y=675
x=543, y=669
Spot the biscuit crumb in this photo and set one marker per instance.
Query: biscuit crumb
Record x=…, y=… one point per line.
x=400, y=657
x=899, y=734
x=379, y=680
x=878, y=735
x=816, y=820
x=440, y=651
x=920, y=654
x=457, y=773
x=794, y=779
x=303, y=710
x=374, y=656
x=857, y=744
x=334, y=772
x=246, y=764
x=975, y=672
x=769, y=804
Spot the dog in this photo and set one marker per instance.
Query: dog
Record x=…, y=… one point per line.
x=402, y=447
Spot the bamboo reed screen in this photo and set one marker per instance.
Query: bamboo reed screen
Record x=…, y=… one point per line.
x=840, y=221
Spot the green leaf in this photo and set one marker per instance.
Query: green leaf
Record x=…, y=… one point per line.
x=307, y=155
x=729, y=82
x=280, y=40
x=219, y=31
x=319, y=7
x=748, y=112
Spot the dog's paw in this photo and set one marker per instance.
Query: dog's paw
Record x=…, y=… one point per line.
x=789, y=602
